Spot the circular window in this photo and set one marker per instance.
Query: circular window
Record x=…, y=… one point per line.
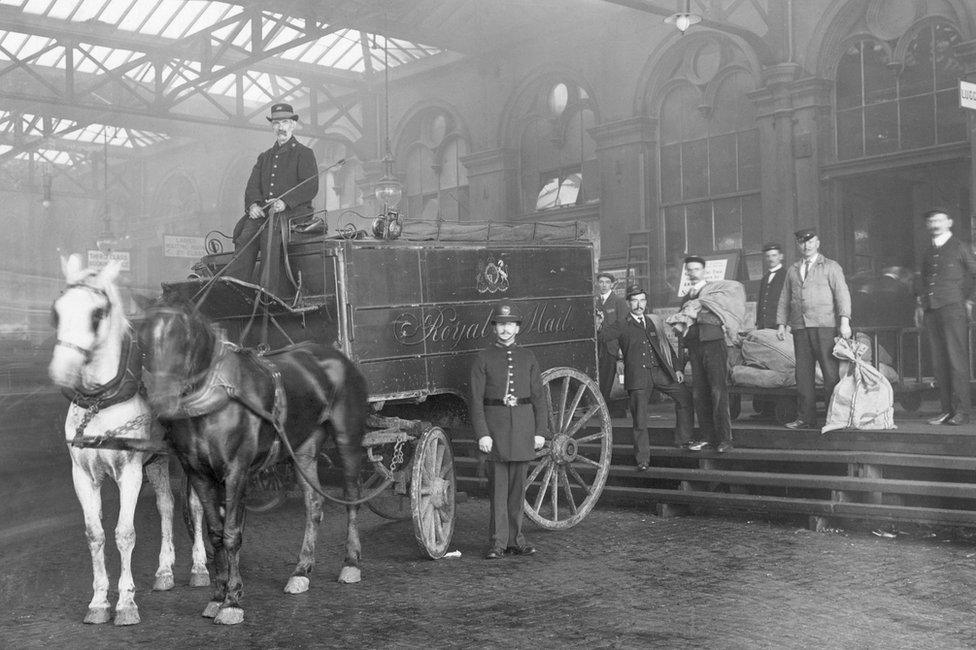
x=437, y=129
x=558, y=99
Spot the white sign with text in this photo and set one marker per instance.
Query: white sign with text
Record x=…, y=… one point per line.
x=178, y=246
x=98, y=259
x=714, y=270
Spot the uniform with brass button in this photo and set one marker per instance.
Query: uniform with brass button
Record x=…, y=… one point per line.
x=509, y=415
x=288, y=164
x=945, y=293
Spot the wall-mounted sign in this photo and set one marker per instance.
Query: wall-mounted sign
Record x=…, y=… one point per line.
x=97, y=259
x=967, y=94
x=177, y=246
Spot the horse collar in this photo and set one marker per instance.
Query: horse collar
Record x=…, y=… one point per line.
x=123, y=386
x=217, y=383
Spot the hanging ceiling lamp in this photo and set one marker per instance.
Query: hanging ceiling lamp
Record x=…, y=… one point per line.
x=388, y=190
x=685, y=17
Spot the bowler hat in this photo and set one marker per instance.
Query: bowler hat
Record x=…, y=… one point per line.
x=608, y=276
x=282, y=112
x=771, y=246
x=695, y=258
x=805, y=234
x=506, y=312
x=634, y=290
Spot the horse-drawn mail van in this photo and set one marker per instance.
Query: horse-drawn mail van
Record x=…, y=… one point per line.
x=411, y=313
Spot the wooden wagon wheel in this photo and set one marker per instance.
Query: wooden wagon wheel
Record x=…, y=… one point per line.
x=432, y=492
x=565, y=483
x=268, y=489
x=390, y=505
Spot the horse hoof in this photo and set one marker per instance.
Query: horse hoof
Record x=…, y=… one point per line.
x=198, y=579
x=229, y=616
x=296, y=585
x=350, y=574
x=163, y=582
x=98, y=615
x=210, y=611
x=127, y=616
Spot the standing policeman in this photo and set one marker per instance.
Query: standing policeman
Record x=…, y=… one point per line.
x=508, y=411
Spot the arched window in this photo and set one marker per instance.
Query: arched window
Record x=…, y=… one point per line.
x=338, y=188
x=436, y=186
x=709, y=166
x=894, y=96
x=558, y=165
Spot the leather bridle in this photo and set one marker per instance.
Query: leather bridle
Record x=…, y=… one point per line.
x=87, y=353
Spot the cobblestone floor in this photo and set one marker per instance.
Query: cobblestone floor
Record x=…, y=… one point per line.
x=622, y=578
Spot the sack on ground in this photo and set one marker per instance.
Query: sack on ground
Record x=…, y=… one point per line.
x=761, y=377
x=863, y=399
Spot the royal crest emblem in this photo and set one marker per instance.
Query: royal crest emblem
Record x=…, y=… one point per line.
x=494, y=278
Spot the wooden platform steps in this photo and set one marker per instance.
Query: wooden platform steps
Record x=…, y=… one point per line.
x=925, y=476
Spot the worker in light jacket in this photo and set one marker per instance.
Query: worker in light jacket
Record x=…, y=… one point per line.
x=816, y=306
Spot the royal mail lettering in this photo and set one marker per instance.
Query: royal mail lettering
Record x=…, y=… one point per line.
x=441, y=325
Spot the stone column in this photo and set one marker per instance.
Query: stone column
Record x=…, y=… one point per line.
x=811, y=148
x=627, y=159
x=774, y=118
x=492, y=185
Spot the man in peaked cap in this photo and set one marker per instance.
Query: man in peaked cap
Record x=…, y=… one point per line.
x=650, y=362
x=610, y=308
x=286, y=165
x=816, y=305
x=510, y=418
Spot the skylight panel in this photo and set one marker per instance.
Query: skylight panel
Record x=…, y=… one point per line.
x=37, y=7
x=158, y=18
x=115, y=9
x=87, y=10
x=4, y=148
x=132, y=20
x=50, y=58
x=61, y=9
x=184, y=19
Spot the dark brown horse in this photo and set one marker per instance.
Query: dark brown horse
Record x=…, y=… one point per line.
x=226, y=407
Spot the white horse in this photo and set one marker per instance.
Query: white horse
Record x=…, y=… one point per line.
x=96, y=359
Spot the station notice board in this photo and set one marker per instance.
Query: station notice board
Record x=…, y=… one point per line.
x=724, y=266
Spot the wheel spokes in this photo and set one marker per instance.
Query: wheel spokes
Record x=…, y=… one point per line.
x=544, y=487
x=564, y=481
x=579, y=479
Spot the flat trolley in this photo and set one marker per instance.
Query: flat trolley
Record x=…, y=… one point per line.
x=412, y=313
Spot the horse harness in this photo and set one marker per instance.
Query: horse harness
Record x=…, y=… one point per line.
x=125, y=385
x=219, y=385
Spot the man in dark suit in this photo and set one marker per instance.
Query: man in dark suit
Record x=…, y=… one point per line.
x=610, y=308
x=510, y=418
x=707, y=350
x=946, y=292
x=770, y=287
x=650, y=362
x=283, y=183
